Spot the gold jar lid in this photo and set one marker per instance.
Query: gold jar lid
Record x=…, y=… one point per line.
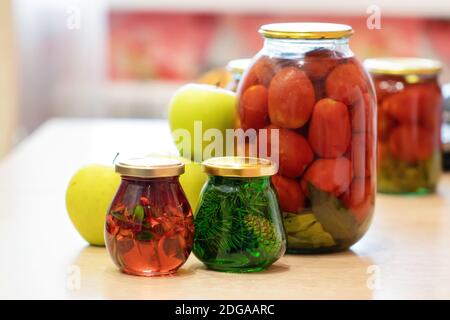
x=150, y=167
x=306, y=30
x=246, y=167
x=238, y=66
x=402, y=66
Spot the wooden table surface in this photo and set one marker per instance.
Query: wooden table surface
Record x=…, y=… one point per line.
x=405, y=254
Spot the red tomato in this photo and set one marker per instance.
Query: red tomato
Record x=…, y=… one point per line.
x=360, y=198
x=329, y=175
x=362, y=155
x=385, y=123
x=261, y=72
x=319, y=62
x=329, y=130
x=361, y=114
x=291, y=98
x=404, y=106
x=294, y=152
x=253, y=107
x=290, y=194
x=411, y=143
x=346, y=83
x=382, y=151
x=431, y=106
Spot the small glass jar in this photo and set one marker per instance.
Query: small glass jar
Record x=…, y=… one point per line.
x=149, y=227
x=409, y=124
x=236, y=68
x=307, y=84
x=238, y=222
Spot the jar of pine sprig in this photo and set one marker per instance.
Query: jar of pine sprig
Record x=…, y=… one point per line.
x=238, y=223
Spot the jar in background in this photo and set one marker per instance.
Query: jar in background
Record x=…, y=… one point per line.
x=238, y=222
x=409, y=124
x=149, y=228
x=236, y=68
x=306, y=83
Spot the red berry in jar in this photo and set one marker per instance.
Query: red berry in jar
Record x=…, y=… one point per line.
x=329, y=131
x=149, y=228
x=291, y=98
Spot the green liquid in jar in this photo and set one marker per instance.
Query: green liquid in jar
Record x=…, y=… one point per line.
x=238, y=226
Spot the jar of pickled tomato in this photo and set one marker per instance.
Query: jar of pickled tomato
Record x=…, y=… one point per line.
x=236, y=68
x=238, y=226
x=149, y=227
x=409, y=124
x=306, y=84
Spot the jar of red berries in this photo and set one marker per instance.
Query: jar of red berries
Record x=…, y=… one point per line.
x=149, y=227
x=307, y=85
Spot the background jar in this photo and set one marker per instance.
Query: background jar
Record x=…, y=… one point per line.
x=236, y=68
x=149, y=226
x=409, y=124
x=306, y=83
x=238, y=222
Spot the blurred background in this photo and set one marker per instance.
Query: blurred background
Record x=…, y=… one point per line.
x=116, y=58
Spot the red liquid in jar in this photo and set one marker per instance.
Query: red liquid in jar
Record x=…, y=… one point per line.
x=149, y=227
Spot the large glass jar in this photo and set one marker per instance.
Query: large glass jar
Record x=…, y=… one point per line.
x=238, y=222
x=149, y=228
x=409, y=124
x=307, y=84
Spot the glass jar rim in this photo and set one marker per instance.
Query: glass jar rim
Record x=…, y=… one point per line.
x=238, y=66
x=150, y=167
x=245, y=167
x=306, y=30
x=402, y=66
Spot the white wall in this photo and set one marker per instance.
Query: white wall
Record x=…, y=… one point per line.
x=8, y=81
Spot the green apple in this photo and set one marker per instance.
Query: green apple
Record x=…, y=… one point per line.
x=192, y=181
x=88, y=196
x=205, y=105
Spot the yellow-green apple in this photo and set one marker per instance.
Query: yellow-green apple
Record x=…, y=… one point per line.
x=192, y=181
x=88, y=197
x=195, y=108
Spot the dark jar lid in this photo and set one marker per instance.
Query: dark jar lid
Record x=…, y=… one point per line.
x=246, y=167
x=150, y=167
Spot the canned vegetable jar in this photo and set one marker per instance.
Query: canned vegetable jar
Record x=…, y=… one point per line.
x=409, y=124
x=307, y=84
x=238, y=222
x=149, y=228
x=236, y=68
